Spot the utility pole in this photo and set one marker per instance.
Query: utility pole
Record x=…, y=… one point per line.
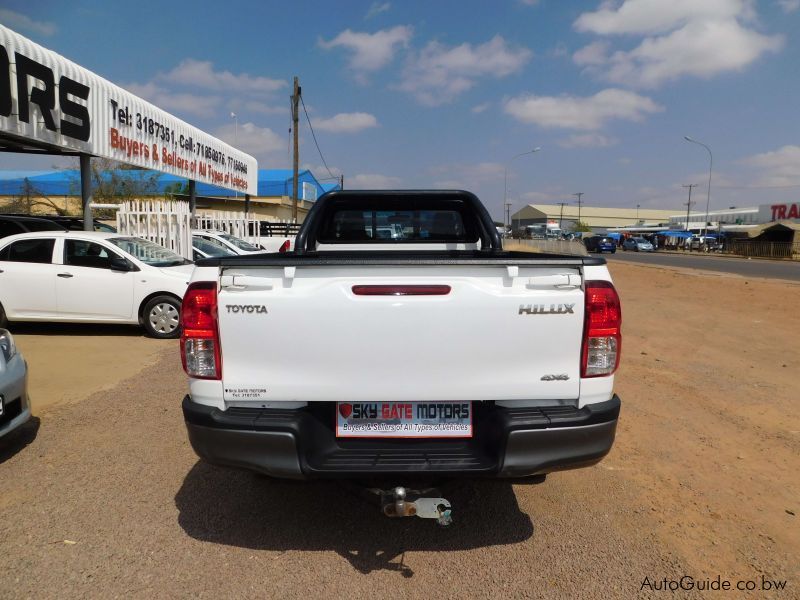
x=341, y=181
x=508, y=214
x=561, y=215
x=689, y=203
x=579, y=202
x=295, y=119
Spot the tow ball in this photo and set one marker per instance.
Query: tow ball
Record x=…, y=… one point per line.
x=402, y=502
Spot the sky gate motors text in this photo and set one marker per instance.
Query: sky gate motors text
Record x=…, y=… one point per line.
x=410, y=410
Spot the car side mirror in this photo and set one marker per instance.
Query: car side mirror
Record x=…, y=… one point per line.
x=117, y=263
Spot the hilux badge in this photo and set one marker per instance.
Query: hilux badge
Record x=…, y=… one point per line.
x=539, y=309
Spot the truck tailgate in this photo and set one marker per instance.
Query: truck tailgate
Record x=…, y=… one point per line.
x=302, y=333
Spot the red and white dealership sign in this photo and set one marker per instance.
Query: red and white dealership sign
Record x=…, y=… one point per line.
x=48, y=100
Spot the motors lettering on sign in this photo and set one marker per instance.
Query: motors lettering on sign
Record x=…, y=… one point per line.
x=436, y=410
x=75, y=121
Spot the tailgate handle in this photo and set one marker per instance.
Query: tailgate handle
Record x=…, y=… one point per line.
x=559, y=280
x=241, y=282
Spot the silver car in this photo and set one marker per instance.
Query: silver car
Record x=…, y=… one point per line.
x=15, y=407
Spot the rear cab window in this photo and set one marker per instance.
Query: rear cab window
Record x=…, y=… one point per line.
x=397, y=221
x=29, y=251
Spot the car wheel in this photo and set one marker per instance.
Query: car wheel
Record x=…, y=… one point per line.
x=161, y=317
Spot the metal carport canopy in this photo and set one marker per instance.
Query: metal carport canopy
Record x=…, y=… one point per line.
x=50, y=105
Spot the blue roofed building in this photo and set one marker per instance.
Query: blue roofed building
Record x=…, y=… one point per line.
x=60, y=190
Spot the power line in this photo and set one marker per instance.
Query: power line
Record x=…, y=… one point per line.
x=758, y=187
x=313, y=135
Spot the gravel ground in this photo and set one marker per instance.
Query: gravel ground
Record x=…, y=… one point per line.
x=105, y=498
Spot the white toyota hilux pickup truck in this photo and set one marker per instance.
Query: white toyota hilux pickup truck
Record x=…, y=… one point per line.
x=398, y=340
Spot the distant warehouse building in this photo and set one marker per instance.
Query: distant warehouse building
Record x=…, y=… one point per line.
x=597, y=218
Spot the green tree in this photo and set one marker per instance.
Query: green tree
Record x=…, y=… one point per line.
x=581, y=226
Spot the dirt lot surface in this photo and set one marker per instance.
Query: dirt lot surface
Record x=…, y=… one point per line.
x=104, y=497
x=74, y=361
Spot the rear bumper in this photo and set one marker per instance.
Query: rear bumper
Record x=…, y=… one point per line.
x=301, y=444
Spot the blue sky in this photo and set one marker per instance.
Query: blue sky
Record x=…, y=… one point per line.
x=444, y=94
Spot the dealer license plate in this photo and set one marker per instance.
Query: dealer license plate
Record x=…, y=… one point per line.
x=404, y=419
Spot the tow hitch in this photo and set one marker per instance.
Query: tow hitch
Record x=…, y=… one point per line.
x=426, y=504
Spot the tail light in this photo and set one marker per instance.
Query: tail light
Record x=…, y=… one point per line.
x=285, y=246
x=602, y=336
x=200, y=351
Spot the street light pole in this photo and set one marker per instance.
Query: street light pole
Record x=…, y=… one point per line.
x=710, y=165
x=505, y=173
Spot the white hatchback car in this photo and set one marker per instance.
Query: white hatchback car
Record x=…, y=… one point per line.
x=92, y=277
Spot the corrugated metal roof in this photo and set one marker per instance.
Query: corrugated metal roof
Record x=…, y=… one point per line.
x=756, y=231
x=271, y=182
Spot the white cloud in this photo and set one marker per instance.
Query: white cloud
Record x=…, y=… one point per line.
x=371, y=181
x=16, y=20
x=346, y=122
x=595, y=53
x=438, y=73
x=370, y=51
x=681, y=37
x=248, y=137
x=657, y=16
x=582, y=113
x=587, y=140
x=175, y=102
x=778, y=167
x=789, y=6
x=377, y=8
x=201, y=74
x=479, y=108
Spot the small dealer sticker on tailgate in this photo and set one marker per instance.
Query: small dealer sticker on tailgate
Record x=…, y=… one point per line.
x=245, y=393
x=404, y=419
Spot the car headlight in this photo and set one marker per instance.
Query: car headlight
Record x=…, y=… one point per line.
x=7, y=346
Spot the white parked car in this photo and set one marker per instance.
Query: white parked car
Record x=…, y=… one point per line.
x=203, y=247
x=15, y=408
x=92, y=277
x=225, y=241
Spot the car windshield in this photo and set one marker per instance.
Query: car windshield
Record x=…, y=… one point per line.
x=240, y=244
x=210, y=248
x=148, y=252
x=640, y=241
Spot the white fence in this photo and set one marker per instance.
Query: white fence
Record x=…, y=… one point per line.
x=168, y=224
x=241, y=225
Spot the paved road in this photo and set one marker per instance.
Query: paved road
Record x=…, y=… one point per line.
x=739, y=266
